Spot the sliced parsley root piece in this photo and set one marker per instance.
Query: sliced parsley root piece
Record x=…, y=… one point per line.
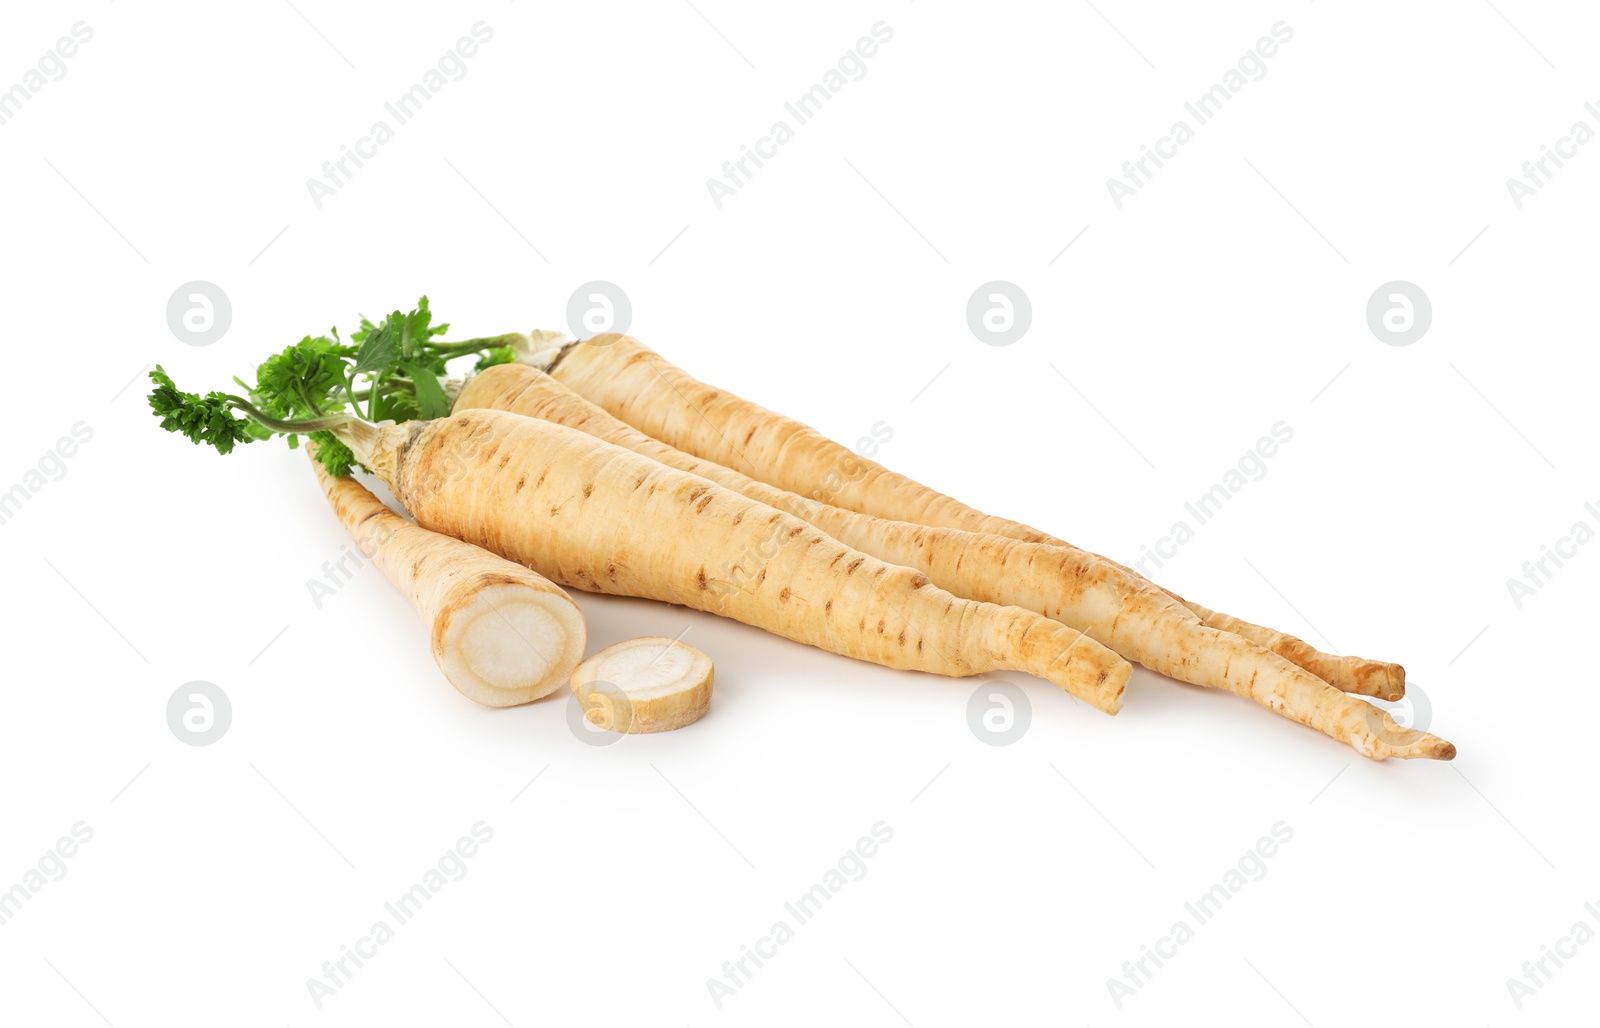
x=501, y=634
x=644, y=685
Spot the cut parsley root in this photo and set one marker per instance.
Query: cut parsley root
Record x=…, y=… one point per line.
x=642, y=388
x=501, y=634
x=641, y=685
x=1118, y=610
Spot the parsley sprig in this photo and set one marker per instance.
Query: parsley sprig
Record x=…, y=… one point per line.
x=328, y=389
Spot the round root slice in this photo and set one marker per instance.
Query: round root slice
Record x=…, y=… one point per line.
x=504, y=643
x=649, y=684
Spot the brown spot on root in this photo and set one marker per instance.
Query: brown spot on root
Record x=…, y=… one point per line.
x=836, y=558
x=522, y=481
x=783, y=597
x=638, y=483
x=705, y=501
x=700, y=578
x=750, y=434
x=611, y=572
x=902, y=637
x=919, y=645
x=737, y=518
x=761, y=576
x=827, y=608
x=587, y=490
x=504, y=461
x=880, y=626
x=854, y=565
x=796, y=530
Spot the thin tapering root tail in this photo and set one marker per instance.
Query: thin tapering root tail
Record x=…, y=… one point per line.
x=1379, y=737
x=1359, y=675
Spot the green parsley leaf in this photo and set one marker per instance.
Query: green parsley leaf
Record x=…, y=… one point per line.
x=206, y=420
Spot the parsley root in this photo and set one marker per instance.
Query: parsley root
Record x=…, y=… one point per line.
x=642, y=388
x=1114, y=608
x=501, y=634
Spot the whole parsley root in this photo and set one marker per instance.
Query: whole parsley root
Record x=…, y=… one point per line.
x=501, y=634
x=642, y=388
x=1118, y=610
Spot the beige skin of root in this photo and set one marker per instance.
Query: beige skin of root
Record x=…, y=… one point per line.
x=592, y=516
x=1119, y=610
x=501, y=634
x=637, y=385
x=649, y=684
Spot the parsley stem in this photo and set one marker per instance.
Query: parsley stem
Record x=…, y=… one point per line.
x=333, y=422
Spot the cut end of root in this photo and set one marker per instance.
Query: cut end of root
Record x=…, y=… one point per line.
x=508, y=644
x=1111, y=689
x=1381, y=680
x=642, y=685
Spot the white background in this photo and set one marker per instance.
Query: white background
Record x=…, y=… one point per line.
x=1227, y=295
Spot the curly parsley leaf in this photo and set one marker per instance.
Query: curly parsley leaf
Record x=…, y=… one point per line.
x=203, y=420
x=305, y=380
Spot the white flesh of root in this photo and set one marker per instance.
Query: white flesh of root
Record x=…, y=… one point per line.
x=508, y=644
x=649, y=684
